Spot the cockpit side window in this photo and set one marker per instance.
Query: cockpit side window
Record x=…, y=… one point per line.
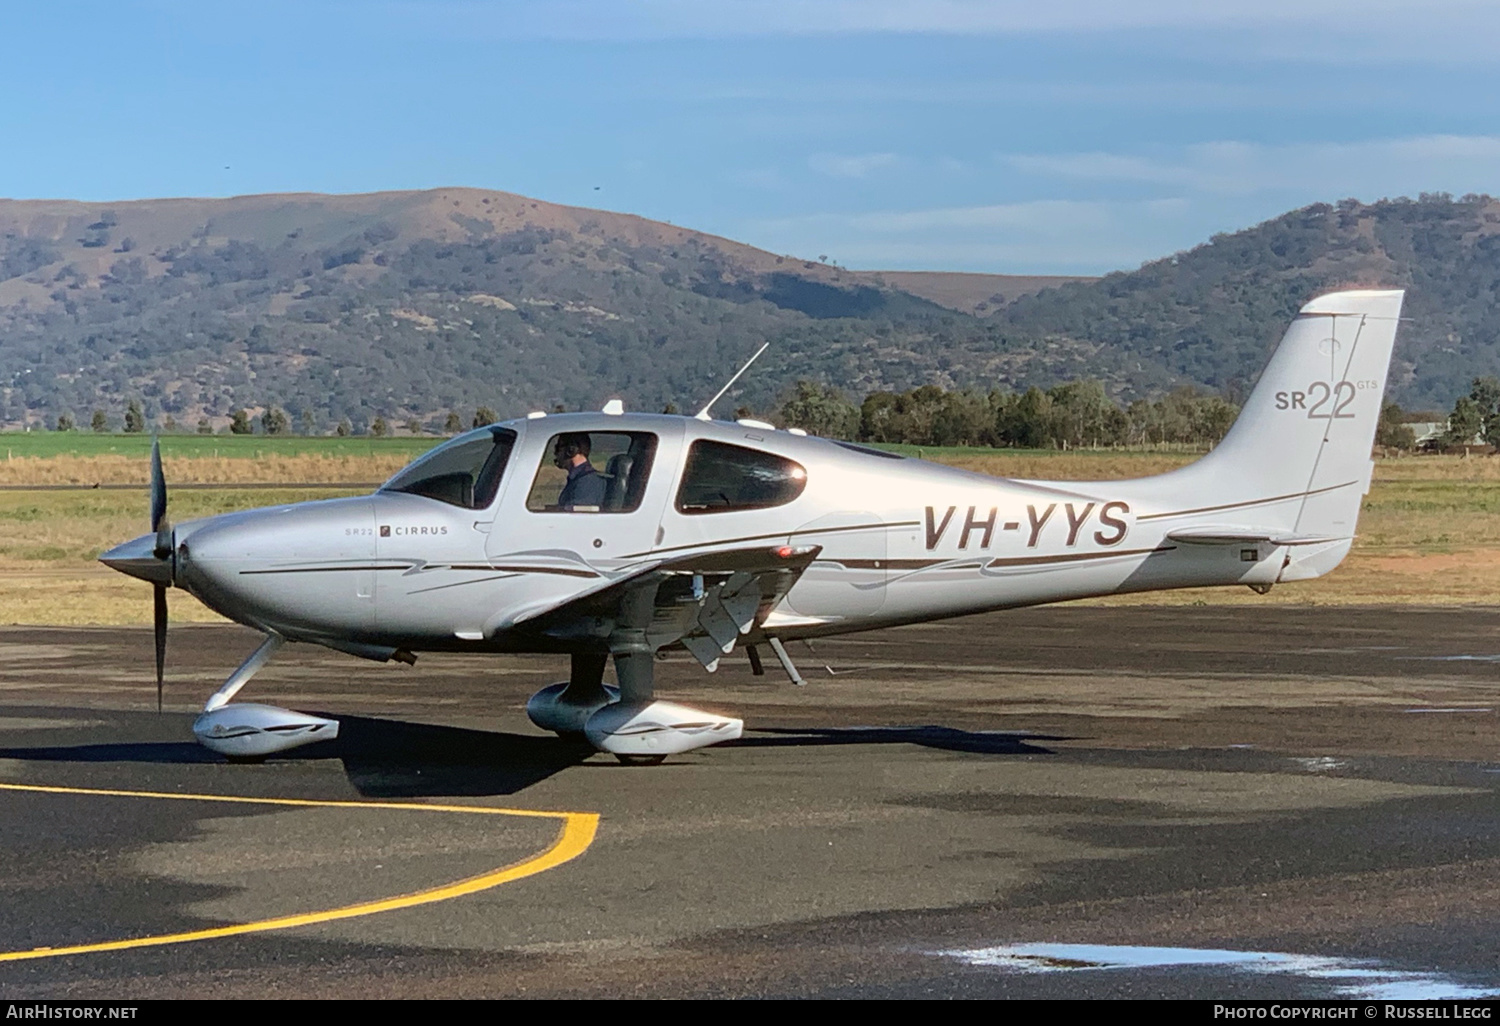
x=465, y=472
x=593, y=472
x=721, y=478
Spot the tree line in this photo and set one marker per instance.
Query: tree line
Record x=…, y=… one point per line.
x=1073, y=415
x=1476, y=415
x=1475, y=418
x=276, y=421
x=1077, y=414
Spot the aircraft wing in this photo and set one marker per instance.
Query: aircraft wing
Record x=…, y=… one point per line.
x=705, y=601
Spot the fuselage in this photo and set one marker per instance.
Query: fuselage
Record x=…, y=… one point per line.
x=447, y=561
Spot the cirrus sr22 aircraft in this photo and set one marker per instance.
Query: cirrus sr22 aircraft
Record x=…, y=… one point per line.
x=703, y=535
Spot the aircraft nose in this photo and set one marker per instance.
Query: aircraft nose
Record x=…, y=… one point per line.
x=138, y=558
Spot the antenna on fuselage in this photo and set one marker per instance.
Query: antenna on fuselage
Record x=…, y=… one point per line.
x=703, y=413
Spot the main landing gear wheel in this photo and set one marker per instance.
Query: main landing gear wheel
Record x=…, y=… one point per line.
x=564, y=708
x=640, y=760
x=627, y=722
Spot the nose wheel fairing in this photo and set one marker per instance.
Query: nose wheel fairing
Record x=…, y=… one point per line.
x=250, y=730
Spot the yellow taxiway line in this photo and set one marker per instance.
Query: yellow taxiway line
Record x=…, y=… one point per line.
x=573, y=838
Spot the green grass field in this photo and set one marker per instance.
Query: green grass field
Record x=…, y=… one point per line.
x=50, y=444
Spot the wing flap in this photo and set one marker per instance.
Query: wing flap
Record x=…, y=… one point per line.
x=705, y=601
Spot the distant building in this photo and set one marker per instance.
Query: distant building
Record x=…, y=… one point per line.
x=1431, y=434
x=1428, y=430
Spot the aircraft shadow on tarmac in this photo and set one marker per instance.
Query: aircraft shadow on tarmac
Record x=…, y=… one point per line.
x=948, y=739
x=161, y=752
x=382, y=758
x=396, y=759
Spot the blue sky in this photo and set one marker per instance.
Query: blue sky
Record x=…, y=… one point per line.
x=1074, y=136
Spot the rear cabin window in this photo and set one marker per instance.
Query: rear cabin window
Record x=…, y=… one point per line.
x=593, y=472
x=721, y=478
x=465, y=472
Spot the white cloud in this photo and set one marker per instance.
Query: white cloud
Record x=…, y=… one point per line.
x=711, y=18
x=1370, y=168
x=768, y=178
x=1117, y=210
x=1045, y=236
x=836, y=165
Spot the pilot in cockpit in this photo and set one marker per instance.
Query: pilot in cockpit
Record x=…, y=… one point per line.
x=586, y=487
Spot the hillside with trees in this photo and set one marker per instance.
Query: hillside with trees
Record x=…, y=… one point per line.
x=412, y=305
x=419, y=309
x=1212, y=314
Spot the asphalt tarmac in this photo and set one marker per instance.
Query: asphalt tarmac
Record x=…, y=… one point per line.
x=1082, y=802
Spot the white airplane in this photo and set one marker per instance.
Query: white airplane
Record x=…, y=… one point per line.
x=616, y=536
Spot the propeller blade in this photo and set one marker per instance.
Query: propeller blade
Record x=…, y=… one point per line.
x=158, y=487
x=159, y=522
x=161, y=638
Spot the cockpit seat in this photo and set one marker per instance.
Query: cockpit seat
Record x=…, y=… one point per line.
x=617, y=487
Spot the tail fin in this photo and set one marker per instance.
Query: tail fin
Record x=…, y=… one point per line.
x=1297, y=460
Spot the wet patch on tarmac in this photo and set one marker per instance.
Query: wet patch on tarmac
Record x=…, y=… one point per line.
x=1360, y=979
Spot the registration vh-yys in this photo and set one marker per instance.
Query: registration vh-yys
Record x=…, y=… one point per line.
x=613, y=536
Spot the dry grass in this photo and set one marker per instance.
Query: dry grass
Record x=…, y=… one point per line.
x=1470, y=578
x=1103, y=465
x=305, y=468
x=1429, y=533
x=49, y=541
x=1069, y=466
x=83, y=594
x=68, y=528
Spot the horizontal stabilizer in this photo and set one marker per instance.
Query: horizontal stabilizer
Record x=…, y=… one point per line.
x=1244, y=536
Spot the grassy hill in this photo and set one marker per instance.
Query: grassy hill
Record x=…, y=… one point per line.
x=1212, y=314
x=408, y=305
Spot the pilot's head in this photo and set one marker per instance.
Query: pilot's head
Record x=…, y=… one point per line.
x=568, y=448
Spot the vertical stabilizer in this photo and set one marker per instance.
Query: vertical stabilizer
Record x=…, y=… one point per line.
x=1298, y=457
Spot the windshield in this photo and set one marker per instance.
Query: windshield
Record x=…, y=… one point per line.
x=464, y=472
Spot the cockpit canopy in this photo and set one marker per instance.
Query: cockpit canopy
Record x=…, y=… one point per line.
x=463, y=472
